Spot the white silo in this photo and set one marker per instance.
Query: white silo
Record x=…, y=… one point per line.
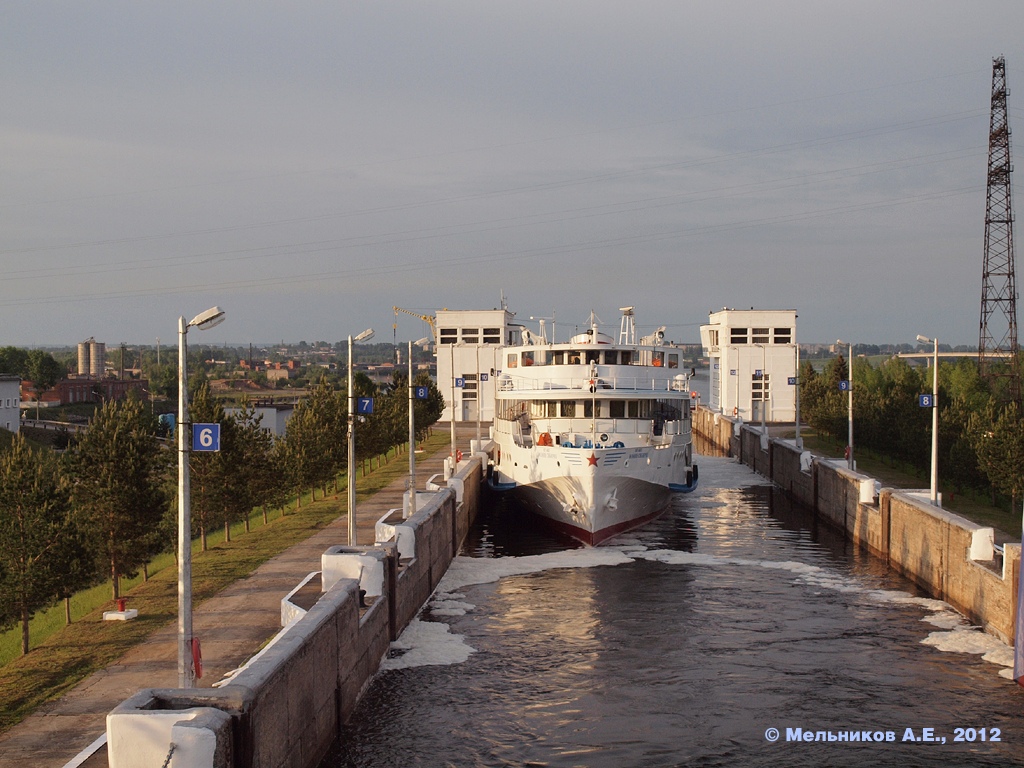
x=97, y=359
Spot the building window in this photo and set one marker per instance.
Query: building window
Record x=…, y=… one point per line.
x=492, y=335
x=471, y=335
x=738, y=336
x=449, y=335
x=761, y=336
x=783, y=335
x=760, y=387
x=469, y=386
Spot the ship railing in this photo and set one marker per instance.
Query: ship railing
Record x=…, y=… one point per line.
x=508, y=383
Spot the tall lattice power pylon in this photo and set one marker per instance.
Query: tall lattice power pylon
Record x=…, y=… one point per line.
x=997, y=345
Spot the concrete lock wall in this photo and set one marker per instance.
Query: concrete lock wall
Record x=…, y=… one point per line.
x=285, y=706
x=946, y=555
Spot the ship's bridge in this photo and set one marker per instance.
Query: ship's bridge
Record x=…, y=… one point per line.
x=597, y=368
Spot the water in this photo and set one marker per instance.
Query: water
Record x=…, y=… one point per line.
x=683, y=643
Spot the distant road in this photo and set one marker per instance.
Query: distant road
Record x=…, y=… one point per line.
x=53, y=426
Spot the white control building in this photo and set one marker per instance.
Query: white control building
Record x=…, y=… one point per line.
x=753, y=363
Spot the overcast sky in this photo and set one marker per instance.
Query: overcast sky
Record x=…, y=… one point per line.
x=308, y=165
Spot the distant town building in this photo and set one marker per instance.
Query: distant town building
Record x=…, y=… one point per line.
x=273, y=416
x=10, y=403
x=752, y=362
x=85, y=390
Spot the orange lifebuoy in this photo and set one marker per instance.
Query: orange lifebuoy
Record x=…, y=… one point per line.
x=458, y=455
x=544, y=439
x=657, y=362
x=735, y=411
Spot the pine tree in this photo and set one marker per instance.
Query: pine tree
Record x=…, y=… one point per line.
x=119, y=490
x=34, y=523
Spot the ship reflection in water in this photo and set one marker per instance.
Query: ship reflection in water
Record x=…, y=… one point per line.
x=685, y=641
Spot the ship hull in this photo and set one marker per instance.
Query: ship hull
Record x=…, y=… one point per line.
x=592, y=510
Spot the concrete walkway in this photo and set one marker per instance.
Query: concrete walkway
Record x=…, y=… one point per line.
x=232, y=625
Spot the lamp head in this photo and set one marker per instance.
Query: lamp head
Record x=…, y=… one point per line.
x=367, y=334
x=424, y=342
x=923, y=339
x=208, y=319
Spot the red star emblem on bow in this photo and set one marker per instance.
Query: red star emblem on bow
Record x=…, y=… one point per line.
x=592, y=458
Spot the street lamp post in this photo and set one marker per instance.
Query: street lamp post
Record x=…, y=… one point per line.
x=412, y=432
x=186, y=669
x=367, y=334
x=935, y=417
x=849, y=394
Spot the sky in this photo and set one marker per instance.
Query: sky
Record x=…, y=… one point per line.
x=307, y=166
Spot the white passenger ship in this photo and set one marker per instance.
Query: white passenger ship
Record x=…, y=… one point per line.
x=593, y=435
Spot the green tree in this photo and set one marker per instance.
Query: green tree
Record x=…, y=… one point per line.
x=44, y=372
x=119, y=486
x=999, y=444
x=34, y=520
x=206, y=469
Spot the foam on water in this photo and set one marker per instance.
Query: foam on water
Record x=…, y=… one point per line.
x=431, y=642
x=425, y=643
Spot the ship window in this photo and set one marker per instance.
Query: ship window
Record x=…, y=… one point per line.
x=568, y=408
x=611, y=357
x=593, y=356
x=738, y=336
x=492, y=335
x=574, y=357
x=673, y=361
x=627, y=357
x=658, y=359
x=633, y=407
x=448, y=335
x=617, y=409
x=513, y=359
x=527, y=359
x=558, y=358
x=552, y=409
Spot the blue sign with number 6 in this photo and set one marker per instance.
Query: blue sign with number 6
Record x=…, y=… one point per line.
x=206, y=437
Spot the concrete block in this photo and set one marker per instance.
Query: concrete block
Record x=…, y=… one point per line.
x=142, y=729
x=125, y=615
x=393, y=527
x=365, y=565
